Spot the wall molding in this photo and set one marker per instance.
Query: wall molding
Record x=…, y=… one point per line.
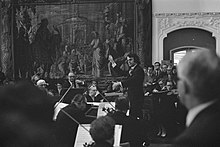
x=168, y=22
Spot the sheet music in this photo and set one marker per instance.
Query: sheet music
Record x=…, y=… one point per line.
x=117, y=136
x=83, y=136
x=94, y=103
x=114, y=94
x=104, y=105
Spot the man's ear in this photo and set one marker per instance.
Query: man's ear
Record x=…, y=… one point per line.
x=186, y=87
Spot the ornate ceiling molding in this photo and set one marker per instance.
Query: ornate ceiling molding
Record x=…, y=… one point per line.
x=168, y=22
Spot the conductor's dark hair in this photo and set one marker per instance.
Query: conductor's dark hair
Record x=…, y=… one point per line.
x=135, y=56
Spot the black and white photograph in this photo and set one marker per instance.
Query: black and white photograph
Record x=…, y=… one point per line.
x=109, y=73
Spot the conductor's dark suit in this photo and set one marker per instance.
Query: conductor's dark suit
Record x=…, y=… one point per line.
x=134, y=83
x=204, y=131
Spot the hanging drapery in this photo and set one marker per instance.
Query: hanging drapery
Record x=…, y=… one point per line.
x=5, y=38
x=144, y=31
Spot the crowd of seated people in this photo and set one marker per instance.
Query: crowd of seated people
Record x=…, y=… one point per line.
x=160, y=86
x=157, y=76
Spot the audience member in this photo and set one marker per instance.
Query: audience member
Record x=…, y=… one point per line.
x=174, y=73
x=149, y=79
x=169, y=85
x=198, y=87
x=102, y=131
x=25, y=117
x=163, y=73
x=157, y=70
x=160, y=86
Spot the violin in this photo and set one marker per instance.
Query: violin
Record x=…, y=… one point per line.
x=108, y=110
x=91, y=144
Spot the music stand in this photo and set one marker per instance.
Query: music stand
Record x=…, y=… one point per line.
x=71, y=93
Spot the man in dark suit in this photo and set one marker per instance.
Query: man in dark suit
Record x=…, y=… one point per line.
x=72, y=81
x=134, y=83
x=198, y=87
x=134, y=130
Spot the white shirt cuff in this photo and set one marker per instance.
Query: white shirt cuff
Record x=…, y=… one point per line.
x=114, y=64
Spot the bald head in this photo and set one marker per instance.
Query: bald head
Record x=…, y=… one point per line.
x=200, y=72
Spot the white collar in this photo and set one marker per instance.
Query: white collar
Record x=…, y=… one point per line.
x=195, y=111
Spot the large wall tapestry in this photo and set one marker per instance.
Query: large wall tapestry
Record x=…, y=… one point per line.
x=56, y=38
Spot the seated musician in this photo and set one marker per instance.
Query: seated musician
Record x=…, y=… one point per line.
x=93, y=95
x=72, y=81
x=132, y=128
x=65, y=127
x=102, y=131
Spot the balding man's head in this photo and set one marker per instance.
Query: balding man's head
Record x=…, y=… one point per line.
x=71, y=76
x=199, y=74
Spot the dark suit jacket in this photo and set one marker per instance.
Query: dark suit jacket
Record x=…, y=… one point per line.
x=134, y=83
x=204, y=131
x=133, y=130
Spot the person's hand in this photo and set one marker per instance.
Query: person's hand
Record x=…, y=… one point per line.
x=155, y=90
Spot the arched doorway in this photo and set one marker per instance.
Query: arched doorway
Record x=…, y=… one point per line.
x=186, y=39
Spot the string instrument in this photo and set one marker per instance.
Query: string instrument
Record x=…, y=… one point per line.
x=109, y=110
x=91, y=144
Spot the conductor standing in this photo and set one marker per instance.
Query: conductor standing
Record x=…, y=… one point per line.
x=134, y=83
